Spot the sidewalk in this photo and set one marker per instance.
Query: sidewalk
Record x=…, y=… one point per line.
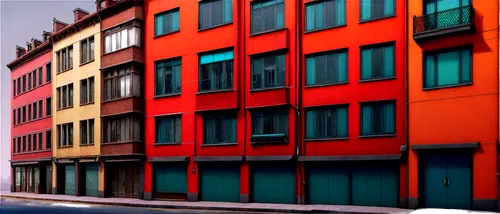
x=203, y=205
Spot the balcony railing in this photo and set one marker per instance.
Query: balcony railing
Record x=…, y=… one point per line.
x=443, y=20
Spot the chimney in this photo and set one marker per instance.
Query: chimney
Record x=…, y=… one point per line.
x=29, y=45
x=35, y=42
x=20, y=51
x=45, y=36
x=79, y=13
x=58, y=25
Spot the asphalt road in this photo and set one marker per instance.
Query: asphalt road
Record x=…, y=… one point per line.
x=18, y=206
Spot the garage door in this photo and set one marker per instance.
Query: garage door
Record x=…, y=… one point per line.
x=69, y=179
x=273, y=183
x=91, y=180
x=375, y=184
x=328, y=184
x=220, y=182
x=171, y=181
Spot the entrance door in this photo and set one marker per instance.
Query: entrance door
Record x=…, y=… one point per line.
x=171, y=181
x=328, y=184
x=124, y=180
x=273, y=183
x=375, y=184
x=48, y=179
x=447, y=180
x=220, y=182
x=69, y=179
x=91, y=180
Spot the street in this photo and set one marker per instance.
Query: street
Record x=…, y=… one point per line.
x=20, y=206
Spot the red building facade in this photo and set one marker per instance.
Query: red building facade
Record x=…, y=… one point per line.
x=31, y=99
x=246, y=118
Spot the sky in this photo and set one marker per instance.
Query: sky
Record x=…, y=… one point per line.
x=21, y=20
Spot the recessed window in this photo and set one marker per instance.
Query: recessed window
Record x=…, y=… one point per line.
x=326, y=68
x=168, y=77
x=377, y=62
x=378, y=118
x=268, y=71
x=374, y=9
x=40, y=108
x=48, y=106
x=48, y=70
x=65, y=96
x=215, y=12
x=219, y=127
x=326, y=122
x=87, y=50
x=325, y=14
x=122, y=37
x=48, y=139
x=216, y=71
x=267, y=15
x=87, y=90
x=87, y=132
x=269, y=125
x=40, y=75
x=64, y=59
x=122, y=129
x=168, y=129
x=167, y=22
x=448, y=67
x=65, y=134
x=40, y=141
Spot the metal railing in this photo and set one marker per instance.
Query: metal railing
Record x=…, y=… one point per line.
x=443, y=19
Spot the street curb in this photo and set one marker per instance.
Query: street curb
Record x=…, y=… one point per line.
x=166, y=206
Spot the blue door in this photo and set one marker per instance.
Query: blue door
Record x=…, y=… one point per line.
x=91, y=180
x=375, y=184
x=273, y=183
x=447, y=180
x=220, y=182
x=69, y=179
x=327, y=184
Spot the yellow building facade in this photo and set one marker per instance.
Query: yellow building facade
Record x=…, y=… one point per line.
x=76, y=105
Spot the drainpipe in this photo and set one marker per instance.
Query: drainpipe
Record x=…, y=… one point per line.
x=407, y=107
x=298, y=92
x=242, y=44
x=498, y=141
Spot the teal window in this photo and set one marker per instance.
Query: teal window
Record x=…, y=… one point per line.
x=325, y=14
x=269, y=125
x=448, y=67
x=268, y=71
x=267, y=15
x=445, y=13
x=168, y=77
x=434, y=6
x=168, y=129
x=216, y=71
x=213, y=13
x=167, y=22
x=378, y=118
x=219, y=128
x=377, y=62
x=326, y=122
x=326, y=68
x=374, y=9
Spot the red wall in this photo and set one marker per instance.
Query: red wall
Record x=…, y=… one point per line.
x=40, y=93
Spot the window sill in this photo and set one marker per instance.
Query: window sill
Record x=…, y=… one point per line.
x=322, y=29
x=326, y=84
x=82, y=64
x=218, y=144
x=86, y=104
x=41, y=118
x=116, y=99
x=375, y=19
x=377, y=79
x=167, y=95
x=327, y=139
x=267, y=89
x=64, y=108
x=167, y=144
x=120, y=142
x=32, y=152
x=214, y=91
x=266, y=32
x=64, y=147
x=89, y=144
x=215, y=26
x=381, y=135
x=448, y=86
x=32, y=89
x=64, y=71
x=166, y=34
x=268, y=143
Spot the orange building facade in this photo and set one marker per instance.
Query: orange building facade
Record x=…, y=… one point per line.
x=453, y=104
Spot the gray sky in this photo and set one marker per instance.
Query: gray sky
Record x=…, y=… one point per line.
x=19, y=22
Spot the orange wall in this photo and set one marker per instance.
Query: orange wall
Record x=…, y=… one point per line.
x=460, y=114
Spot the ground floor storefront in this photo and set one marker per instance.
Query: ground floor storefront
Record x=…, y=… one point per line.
x=76, y=176
x=33, y=176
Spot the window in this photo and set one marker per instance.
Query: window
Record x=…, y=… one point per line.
x=48, y=106
x=14, y=88
x=64, y=59
x=18, y=144
x=40, y=75
x=24, y=144
x=40, y=141
x=167, y=22
x=219, y=128
x=14, y=145
x=87, y=91
x=216, y=71
x=24, y=83
x=122, y=129
x=87, y=50
x=19, y=86
x=29, y=143
x=65, y=134
x=122, y=38
x=268, y=71
x=35, y=110
x=121, y=83
x=87, y=132
x=168, y=129
x=48, y=139
x=24, y=114
x=374, y=9
x=267, y=15
x=378, y=118
x=35, y=142
x=14, y=117
x=326, y=122
x=40, y=108
x=29, y=112
x=19, y=116
x=447, y=68
x=325, y=14
x=48, y=70
x=377, y=62
x=168, y=77
x=29, y=81
x=65, y=96
x=215, y=12
x=269, y=125
x=326, y=68
x=34, y=78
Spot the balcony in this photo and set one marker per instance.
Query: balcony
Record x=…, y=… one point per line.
x=447, y=22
